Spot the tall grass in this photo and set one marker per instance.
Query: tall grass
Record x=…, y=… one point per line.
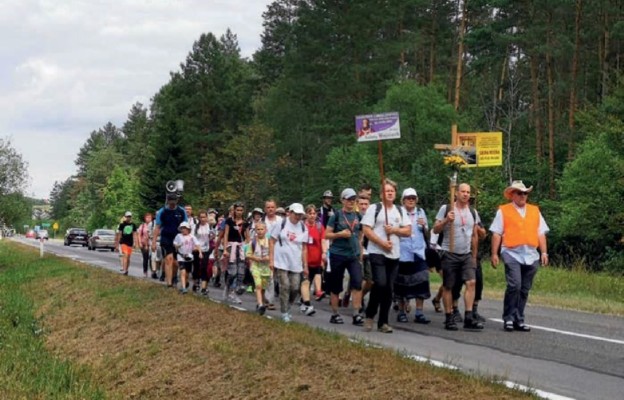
x=27, y=369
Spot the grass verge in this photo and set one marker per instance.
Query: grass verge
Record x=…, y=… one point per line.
x=141, y=341
x=558, y=287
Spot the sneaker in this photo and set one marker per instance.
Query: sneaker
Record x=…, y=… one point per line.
x=319, y=296
x=385, y=328
x=421, y=319
x=270, y=306
x=260, y=309
x=195, y=287
x=402, y=317
x=162, y=278
x=478, y=317
x=154, y=275
x=450, y=325
x=233, y=298
x=286, y=318
x=240, y=290
x=307, y=310
x=203, y=292
x=183, y=290
x=358, y=320
x=368, y=324
x=457, y=317
x=336, y=319
x=472, y=324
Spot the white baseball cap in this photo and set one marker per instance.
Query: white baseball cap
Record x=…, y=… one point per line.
x=184, y=225
x=297, y=208
x=348, y=193
x=128, y=214
x=409, y=192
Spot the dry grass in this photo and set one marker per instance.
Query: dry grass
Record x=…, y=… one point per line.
x=148, y=342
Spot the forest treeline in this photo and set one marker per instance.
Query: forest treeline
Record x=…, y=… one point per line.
x=548, y=74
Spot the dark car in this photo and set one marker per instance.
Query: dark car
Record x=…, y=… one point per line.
x=76, y=236
x=102, y=239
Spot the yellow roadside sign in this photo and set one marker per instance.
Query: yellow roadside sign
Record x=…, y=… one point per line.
x=489, y=149
x=55, y=226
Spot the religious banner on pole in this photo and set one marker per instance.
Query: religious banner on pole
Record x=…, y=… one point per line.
x=378, y=127
x=372, y=127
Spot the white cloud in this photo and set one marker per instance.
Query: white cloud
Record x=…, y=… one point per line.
x=68, y=67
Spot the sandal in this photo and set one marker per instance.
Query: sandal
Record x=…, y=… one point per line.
x=270, y=306
x=436, y=305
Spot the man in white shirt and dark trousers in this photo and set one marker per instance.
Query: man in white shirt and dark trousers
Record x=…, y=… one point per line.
x=460, y=262
x=384, y=251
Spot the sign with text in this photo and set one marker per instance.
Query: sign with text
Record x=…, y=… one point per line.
x=377, y=127
x=490, y=149
x=477, y=149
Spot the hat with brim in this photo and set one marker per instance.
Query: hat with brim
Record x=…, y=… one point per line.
x=516, y=186
x=328, y=194
x=296, y=208
x=184, y=225
x=257, y=211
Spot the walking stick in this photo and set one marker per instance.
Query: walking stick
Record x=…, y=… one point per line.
x=452, y=184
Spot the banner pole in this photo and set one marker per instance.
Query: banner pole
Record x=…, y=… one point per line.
x=383, y=178
x=452, y=184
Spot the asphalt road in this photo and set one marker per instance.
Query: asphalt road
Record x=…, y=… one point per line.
x=568, y=354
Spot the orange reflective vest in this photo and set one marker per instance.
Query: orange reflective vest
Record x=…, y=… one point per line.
x=518, y=231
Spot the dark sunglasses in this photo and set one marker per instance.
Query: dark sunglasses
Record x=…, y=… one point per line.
x=410, y=198
x=522, y=193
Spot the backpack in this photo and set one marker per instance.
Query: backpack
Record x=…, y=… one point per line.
x=448, y=207
x=279, y=238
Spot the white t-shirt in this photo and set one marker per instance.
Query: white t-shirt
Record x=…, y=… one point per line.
x=271, y=224
x=287, y=255
x=204, y=234
x=395, y=218
x=185, y=245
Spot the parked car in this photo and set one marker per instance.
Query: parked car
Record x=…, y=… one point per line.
x=76, y=236
x=42, y=234
x=30, y=234
x=102, y=239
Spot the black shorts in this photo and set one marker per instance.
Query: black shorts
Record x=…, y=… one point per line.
x=185, y=265
x=312, y=272
x=457, y=268
x=367, y=271
x=338, y=266
x=168, y=249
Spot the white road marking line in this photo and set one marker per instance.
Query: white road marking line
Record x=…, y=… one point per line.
x=509, y=384
x=436, y=363
x=540, y=393
x=544, y=328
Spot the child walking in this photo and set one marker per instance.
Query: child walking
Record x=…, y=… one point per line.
x=258, y=254
x=185, y=243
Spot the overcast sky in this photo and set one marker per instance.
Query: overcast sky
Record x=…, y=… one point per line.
x=67, y=67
